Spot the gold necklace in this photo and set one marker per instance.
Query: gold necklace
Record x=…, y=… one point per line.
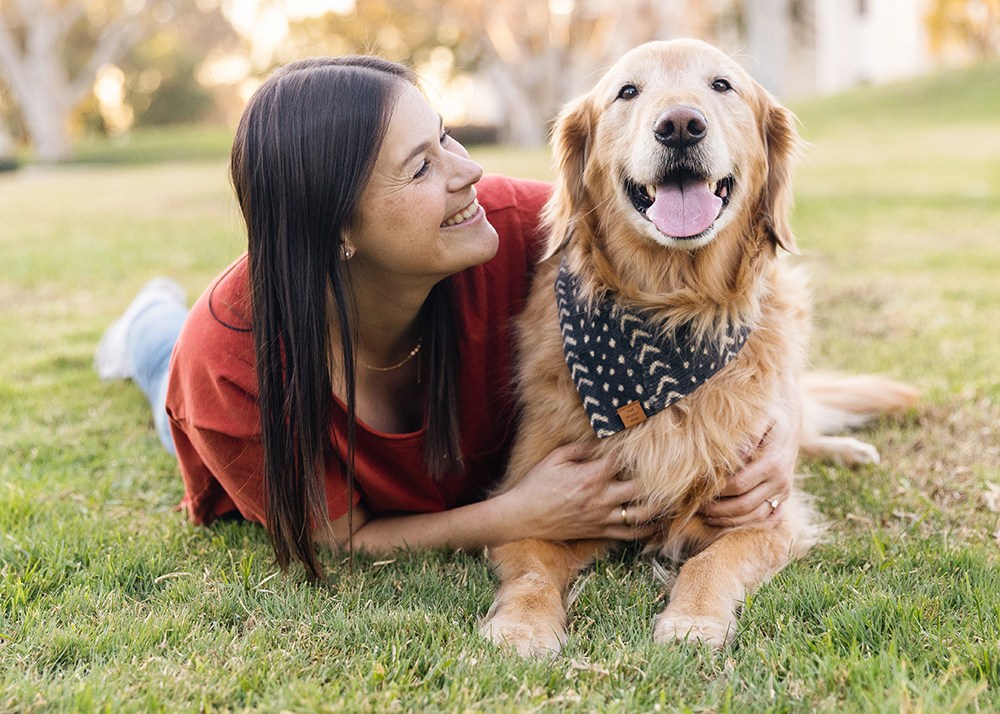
x=411, y=355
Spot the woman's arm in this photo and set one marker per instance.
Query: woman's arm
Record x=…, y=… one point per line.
x=565, y=497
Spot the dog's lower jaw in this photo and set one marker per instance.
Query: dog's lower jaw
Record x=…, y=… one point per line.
x=689, y=244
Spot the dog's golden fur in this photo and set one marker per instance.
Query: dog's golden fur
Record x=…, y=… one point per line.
x=682, y=456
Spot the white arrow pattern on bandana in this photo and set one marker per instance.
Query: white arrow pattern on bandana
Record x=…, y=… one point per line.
x=651, y=373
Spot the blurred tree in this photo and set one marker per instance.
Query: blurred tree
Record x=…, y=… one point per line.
x=537, y=53
x=51, y=52
x=970, y=25
x=161, y=88
x=541, y=54
x=8, y=139
x=402, y=30
x=161, y=82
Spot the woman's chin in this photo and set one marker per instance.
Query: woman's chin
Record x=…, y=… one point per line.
x=478, y=244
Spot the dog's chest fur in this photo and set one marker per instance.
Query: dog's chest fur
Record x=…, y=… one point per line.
x=681, y=455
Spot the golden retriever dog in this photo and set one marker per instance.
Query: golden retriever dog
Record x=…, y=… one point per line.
x=665, y=330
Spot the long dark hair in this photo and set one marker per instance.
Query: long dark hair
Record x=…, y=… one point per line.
x=303, y=152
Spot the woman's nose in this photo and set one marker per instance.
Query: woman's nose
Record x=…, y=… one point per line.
x=466, y=171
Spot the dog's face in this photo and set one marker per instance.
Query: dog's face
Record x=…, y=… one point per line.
x=680, y=142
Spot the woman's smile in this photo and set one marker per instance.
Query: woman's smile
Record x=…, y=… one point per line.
x=463, y=216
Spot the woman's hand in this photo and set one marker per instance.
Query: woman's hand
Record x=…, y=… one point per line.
x=569, y=496
x=755, y=492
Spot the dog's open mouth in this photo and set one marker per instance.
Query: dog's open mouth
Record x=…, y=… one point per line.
x=682, y=205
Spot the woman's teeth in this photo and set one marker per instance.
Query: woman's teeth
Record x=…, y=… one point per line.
x=463, y=215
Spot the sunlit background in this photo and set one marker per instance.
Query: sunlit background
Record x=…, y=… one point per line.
x=498, y=71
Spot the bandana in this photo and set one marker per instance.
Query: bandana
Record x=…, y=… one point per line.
x=624, y=368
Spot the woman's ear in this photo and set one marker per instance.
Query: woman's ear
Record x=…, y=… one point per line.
x=571, y=140
x=781, y=140
x=348, y=246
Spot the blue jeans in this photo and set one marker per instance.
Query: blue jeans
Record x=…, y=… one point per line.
x=151, y=339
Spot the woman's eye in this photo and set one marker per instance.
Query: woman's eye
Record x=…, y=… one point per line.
x=721, y=85
x=629, y=91
x=424, y=168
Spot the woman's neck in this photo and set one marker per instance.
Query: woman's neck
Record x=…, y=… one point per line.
x=387, y=319
x=387, y=343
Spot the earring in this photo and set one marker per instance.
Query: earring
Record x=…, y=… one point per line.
x=348, y=253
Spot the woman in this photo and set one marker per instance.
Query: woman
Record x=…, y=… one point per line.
x=347, y=381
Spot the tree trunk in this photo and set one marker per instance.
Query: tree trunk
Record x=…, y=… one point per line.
x=46, y=120
x=524, y=115
x=6, y=144
x=769, y=33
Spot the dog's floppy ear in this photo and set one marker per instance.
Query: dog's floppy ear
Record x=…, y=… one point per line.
x=781, y=140
x=571, y=141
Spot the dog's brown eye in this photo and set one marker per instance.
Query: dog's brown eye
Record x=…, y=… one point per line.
x=629, y=91
x=721, y=85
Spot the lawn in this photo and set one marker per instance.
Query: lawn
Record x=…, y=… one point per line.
x=110, y=601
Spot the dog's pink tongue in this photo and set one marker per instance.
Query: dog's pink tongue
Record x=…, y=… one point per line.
x=684, y=208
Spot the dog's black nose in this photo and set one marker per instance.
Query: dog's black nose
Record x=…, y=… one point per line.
x=680, y=127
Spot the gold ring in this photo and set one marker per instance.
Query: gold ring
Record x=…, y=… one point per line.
x=773, y=503
x=624, y=514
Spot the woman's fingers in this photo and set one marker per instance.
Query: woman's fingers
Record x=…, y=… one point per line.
x=620, y=492
x=630, y=514
x=745, y=490
x=640, y=532
x=758, y=461
x=571, y=453
x=737, y=506
x=747, y=478
x=768, y=510
x=631, y=521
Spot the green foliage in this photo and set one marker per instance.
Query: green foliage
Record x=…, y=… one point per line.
x=969, y=24
x=111, y=601
x=402, y=30
x=160, y=73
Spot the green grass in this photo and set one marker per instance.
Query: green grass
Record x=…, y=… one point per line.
x=110, y=601
x=156, y=144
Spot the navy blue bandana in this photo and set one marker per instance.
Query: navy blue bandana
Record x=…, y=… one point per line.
x=623, y=369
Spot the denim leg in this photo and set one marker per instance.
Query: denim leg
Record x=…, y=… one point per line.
x=151, y=339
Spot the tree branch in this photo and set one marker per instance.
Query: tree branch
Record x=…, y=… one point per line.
x=12, y=62
x=112, y=45
x=69, y=16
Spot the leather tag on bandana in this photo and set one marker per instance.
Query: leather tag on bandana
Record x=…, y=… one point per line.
x=632, y=414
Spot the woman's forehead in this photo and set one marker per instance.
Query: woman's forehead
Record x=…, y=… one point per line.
x=412, y=122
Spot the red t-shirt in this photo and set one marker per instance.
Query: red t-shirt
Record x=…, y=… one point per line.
x=212, y=392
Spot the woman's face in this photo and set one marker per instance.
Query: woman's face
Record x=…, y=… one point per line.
x=418, y=218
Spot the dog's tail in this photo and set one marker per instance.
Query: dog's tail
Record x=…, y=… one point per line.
x=833, y=403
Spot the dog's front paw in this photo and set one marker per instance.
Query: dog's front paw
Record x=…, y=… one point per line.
x=674, y=627
x=528, y=637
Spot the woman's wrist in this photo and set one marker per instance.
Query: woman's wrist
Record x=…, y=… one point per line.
x=471, y=527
